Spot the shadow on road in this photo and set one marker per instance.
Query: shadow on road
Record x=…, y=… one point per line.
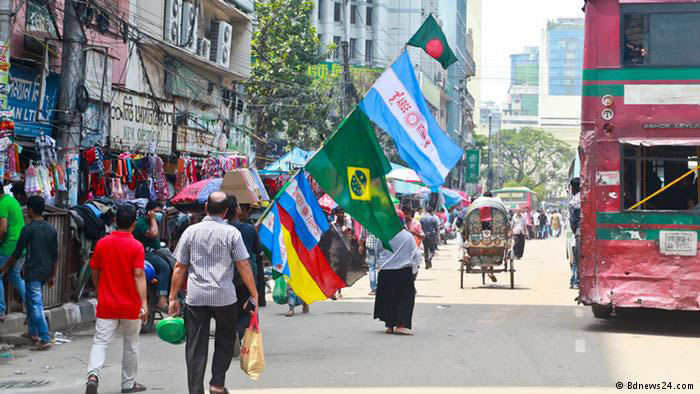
x=644, y=321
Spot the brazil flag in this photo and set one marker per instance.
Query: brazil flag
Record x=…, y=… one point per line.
x=350, y=167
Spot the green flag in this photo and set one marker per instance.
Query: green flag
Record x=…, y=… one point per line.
x=431, y=38
x=350, y=167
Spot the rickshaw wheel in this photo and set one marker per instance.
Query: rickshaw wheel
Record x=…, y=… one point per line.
x=512, y=274
x=461, y=275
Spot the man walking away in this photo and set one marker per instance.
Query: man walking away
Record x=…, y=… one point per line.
x=519, y=227
x=11, y=224
x=542, y=224
x=244, y=211
x=430, y=224
x=368, y=247
x=147, y=232
x=575, y=223
x=209, y=250
x=117, y=271
x=252, y=245
x=40, y=241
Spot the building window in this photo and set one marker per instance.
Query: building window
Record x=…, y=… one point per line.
x=353, y=14
x=336, y=41
x=320, y=9
x=369, y=50
x=353, y=48
x=368, y=18
x=336, y=12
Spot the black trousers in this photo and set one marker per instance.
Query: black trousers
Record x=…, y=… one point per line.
x=197, y=322
x=259, y=283
x=519, y=246
x=396, y=297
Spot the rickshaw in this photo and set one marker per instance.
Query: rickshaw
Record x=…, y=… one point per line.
x=487, y=241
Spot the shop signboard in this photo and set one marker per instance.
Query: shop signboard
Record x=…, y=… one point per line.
x=473, y=162
x=23, y=100
x=199, y=142
x=138, y=120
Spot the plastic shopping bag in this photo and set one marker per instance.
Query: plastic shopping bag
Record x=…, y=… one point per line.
x=279, y=293
x=252, y=354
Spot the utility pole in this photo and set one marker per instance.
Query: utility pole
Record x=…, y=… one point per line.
x=72, y=74
x=5, y=21
x=347, y=78
x=489, y=179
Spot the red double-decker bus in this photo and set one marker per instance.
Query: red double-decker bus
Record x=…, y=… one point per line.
x=640, y=137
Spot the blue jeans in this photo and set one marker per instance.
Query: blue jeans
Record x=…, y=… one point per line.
x=372, y=264
x=162, y=272
x=36, y=321
x=15, y=279
x=574, y=281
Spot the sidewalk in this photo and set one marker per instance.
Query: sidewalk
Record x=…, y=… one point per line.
x=59, y=318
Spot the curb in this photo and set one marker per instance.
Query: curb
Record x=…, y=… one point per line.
x=59, y=318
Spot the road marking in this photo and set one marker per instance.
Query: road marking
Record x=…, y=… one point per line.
x=580, y=345
x=578, y=312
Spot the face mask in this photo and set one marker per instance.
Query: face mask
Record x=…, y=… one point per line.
x=159, y=216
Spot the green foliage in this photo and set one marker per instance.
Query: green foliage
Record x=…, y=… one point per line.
x=536, y=159
x=283, y=98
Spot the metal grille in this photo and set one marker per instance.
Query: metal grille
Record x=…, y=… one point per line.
x=58, y=294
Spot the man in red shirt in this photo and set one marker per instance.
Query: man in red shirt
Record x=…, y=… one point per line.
x=117, y=271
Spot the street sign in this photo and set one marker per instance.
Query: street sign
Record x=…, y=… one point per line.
x=473, y=162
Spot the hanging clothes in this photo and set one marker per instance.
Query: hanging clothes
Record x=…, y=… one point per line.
x=47, y=149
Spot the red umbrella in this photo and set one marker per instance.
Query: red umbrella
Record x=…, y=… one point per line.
x=197, y=192
x=327, y=203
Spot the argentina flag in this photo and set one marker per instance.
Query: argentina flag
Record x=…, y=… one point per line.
x=396, y=104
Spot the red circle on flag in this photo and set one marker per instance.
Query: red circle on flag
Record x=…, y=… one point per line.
x=434, y=48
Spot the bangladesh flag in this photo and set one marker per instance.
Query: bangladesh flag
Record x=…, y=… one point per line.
x=431, y=38
x=350, y=167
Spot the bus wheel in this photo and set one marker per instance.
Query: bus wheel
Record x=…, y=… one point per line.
x=602, y=311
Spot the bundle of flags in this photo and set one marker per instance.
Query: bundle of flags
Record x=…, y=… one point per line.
x=351, y=168
x=304, y=247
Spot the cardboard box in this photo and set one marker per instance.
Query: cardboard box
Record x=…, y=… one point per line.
x=240, y=184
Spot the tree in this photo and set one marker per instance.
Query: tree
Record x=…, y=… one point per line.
x=282, y=97
x=534, y=158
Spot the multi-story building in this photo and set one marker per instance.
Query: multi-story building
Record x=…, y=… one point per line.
x=474, y=48
x=561, y=61
x=491, y=119
x=193, y=56
x=377, y=30
x=523, y=95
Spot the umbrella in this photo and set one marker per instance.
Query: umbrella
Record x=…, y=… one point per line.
x=327, y=203
x=404, y=174
x=197, y=192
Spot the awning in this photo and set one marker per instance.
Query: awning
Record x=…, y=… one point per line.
x=661, y=141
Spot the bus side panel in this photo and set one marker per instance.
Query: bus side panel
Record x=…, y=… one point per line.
x=627, y=277
x=602, y=34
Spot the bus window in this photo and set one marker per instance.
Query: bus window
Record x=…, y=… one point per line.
x=661, y=34
x=648, y=169
x=511, y=196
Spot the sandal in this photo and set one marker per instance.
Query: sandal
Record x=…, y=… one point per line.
x=91, y=385
x=219, y=392
x=136, y=388
x=389, y=330
x=403, y=331
x=289, y=313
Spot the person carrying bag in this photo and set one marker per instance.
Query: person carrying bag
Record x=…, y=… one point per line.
x=252, y=354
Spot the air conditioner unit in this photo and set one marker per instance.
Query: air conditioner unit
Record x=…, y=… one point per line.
x=172, y=21
x=203, y=48
x=221, y=37
x=188, y=38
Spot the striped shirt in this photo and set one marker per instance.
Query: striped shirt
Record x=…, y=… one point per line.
x=209, y=249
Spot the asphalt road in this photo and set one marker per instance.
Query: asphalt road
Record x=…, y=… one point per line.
x=480, y=338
